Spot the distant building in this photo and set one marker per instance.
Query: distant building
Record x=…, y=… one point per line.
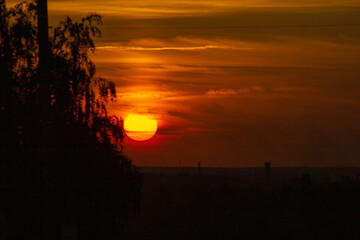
x=267, y=168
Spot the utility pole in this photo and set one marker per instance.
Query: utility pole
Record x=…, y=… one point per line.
x=47, y=224
x=44, y=51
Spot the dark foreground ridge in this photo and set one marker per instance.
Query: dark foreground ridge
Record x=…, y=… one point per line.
x=244, y=203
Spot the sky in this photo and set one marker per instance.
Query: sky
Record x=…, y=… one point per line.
x=233, y=83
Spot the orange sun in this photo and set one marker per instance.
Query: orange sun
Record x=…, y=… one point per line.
x=140, y=127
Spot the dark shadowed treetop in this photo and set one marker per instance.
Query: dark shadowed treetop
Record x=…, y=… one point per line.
x=77, y=94
x=84, y=96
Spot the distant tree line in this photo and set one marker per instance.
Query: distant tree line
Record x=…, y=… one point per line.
x=93, y=183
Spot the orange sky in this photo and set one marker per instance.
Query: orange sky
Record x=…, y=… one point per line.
x=233, y=83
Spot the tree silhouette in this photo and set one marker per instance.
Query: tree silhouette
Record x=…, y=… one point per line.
x=96, y=185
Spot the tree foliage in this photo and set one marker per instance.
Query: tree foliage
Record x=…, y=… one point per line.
x=95, y=181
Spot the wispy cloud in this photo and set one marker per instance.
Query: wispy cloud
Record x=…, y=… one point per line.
x=222, y=92
x=194, y=48
x=175, y=8
x=292, y=89
x=226, y=91
x=256, y=89
x=177, y=43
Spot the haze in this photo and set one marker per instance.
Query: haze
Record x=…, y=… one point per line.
x=233, y=83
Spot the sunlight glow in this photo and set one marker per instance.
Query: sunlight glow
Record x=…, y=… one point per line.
x=140, y=127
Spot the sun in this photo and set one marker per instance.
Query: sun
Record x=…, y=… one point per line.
x=140, y=127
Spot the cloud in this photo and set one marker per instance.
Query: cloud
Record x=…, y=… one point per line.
x=239, y=91
x=292, y=89
x=222, y=92
x=257, y=89
x=178, y=8
x=177, y=43
x=195, y=48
